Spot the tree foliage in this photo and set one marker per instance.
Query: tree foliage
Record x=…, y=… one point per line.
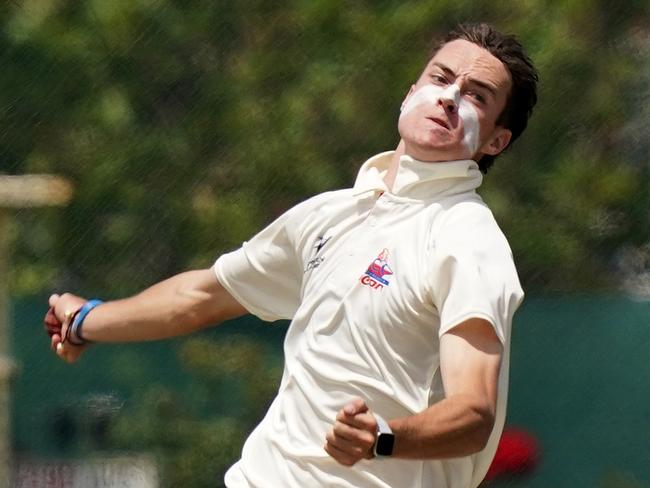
x=197, y=437
x=185, y=126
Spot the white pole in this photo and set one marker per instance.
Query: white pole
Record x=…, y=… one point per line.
x=6, y=364
x=17, y=192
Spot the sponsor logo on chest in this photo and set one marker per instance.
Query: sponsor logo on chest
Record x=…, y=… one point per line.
x=316, y=260
x=378, y=273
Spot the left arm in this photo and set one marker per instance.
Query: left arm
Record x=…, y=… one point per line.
x=458, y=425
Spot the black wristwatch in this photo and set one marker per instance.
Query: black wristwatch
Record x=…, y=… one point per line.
x=385, y=438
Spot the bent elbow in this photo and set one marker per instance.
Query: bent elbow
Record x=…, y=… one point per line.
x=483, y=429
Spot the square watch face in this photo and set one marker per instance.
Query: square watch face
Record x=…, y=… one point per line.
x=385, y=443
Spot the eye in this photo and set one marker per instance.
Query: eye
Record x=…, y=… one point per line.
x=476, y=96
x=439, y=79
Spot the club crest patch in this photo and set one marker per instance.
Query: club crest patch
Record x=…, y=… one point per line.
x=378, y=273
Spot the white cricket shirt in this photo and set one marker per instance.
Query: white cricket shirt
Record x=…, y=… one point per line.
x=370, y=279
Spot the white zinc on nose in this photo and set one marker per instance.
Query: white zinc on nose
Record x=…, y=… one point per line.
x=452, y=93
x=431, y=95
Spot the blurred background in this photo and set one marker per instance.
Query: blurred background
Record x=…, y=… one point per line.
x=184, y=126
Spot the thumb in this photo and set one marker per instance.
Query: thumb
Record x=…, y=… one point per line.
x=356, y=406
x=53, y=299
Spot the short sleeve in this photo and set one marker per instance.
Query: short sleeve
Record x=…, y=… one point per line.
x=264, y=274
x=473, y=273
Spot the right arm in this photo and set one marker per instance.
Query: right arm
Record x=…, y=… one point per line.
x=179, y=305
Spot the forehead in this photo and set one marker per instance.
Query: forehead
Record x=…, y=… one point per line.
x=466, y=59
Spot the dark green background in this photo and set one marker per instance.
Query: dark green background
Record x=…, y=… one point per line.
x=579, y=382
x=185, y=125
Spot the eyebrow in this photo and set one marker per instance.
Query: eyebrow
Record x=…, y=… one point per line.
x=482, y=84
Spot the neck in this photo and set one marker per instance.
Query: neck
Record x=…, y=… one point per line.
x=391, y=174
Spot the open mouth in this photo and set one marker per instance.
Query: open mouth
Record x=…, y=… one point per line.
x=439, y=122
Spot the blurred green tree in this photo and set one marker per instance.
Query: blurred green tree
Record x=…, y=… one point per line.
x=186, y=125
x=616, y=479
x=197, y=437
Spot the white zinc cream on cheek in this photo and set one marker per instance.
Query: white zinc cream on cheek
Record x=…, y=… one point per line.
x=431, y=94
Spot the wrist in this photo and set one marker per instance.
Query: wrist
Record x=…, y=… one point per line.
x=75, y=335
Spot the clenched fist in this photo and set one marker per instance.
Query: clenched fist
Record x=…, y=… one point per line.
x=57, y=322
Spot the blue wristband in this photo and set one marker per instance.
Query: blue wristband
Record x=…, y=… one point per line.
x=75, y=328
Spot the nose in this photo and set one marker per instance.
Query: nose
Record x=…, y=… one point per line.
x=449, y=105
x=450, y=98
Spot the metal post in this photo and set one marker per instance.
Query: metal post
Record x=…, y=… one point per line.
x=6, y=364
x=17, y=192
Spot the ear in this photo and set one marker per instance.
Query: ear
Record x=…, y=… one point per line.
x=497, y=142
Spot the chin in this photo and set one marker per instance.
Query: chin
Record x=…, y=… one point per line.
x=429, y=152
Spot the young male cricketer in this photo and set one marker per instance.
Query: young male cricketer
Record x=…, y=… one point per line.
x=400, y=291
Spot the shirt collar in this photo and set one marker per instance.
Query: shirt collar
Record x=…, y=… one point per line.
x=418, y=179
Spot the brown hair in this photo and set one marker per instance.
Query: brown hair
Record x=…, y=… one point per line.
x=508, y=50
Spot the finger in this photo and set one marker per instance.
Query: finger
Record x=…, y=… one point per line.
x=55, y=340
x=67, y=352
x=340, y=456
x=351, y=447
x=363, y=421
x=360, y=437
x=53, y=299
x=60, y=350
x=357, y=405
x=343, y=416
x=344, y=431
